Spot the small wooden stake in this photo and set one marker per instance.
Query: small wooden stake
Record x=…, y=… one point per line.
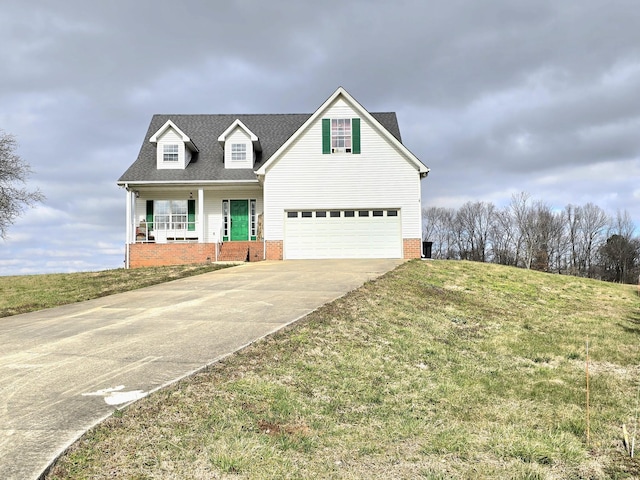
x=587, y=373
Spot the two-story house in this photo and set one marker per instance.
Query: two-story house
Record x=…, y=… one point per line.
x=336, y=183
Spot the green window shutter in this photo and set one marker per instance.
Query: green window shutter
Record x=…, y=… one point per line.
x=191, y=215
x=150, y=214
x=355, y=135
x=326, y=135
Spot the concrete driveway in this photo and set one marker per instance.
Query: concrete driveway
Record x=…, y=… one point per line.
x=65, y=369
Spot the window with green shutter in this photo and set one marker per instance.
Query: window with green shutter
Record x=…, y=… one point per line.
x=340, y=135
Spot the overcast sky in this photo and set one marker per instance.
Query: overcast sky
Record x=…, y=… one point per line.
x=496, y=97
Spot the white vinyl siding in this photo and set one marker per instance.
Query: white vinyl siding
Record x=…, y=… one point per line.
x=379, y=178
x=234, y=142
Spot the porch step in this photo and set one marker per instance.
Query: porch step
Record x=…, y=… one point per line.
x=234, y=252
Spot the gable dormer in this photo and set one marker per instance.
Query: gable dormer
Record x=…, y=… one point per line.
x=174, y=148
x=240, y=146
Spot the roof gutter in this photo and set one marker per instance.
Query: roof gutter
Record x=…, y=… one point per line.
x=182, y=182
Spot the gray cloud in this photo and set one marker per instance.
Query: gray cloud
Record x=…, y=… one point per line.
x=495, y=97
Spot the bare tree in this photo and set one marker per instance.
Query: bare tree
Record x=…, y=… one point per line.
x=524, y=218
x=593, y=224
x=14, y=195
x=503, y=238
x=438, y=229
x=548, y=237
x=558, y=242
x=573, y=217
x=475, y=220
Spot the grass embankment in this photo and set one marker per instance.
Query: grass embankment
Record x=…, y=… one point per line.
x=28, y=293
x=437, y=370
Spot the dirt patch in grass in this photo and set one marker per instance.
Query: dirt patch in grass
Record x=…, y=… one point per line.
x=436, y=370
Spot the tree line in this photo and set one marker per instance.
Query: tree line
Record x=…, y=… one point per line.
x=581, y=240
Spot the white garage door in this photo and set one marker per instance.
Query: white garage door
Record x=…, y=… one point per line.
x=342, y=234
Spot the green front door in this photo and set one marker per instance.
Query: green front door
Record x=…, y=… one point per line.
x=239, y=220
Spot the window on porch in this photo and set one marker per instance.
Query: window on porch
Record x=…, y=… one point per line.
x=169, y=220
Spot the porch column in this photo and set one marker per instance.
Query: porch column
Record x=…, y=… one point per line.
x=130, y=235
x=201, y=219
x=130, y=216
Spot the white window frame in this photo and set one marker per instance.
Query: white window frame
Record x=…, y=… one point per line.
x=253, y=217
x=238, y=152
x=341, y=135
x=225, y=219
x=170, y=214
x=171, y=153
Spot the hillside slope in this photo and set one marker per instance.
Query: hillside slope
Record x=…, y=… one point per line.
x=436, y=370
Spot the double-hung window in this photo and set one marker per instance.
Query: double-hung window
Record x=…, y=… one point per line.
x=171, y=215
x=170, y=152
x=341, y=135
x=238, y=152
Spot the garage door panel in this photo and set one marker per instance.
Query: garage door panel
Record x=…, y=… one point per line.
x=343, y=237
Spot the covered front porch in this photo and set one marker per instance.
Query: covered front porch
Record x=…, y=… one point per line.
x=170, y=226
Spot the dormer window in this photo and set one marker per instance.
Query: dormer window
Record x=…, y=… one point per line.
x=240, y=146
x=174, y=149
x=238, y=152
x=170, y=152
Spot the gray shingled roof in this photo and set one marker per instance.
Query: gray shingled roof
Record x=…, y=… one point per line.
x=208, y=164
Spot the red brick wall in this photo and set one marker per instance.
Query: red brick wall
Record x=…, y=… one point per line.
x=412, y=247
x=274, y=250
x=256, y=251
x=237, y=251
x=161, y=254
x=157, y=254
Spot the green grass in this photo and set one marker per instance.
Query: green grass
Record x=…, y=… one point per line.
x=27, y=293
x=437, y=370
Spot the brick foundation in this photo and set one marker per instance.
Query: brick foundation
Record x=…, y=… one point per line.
x=241, y=252
x=412, y=247
x=163, y=254
x=160, y=254
x=274, y=250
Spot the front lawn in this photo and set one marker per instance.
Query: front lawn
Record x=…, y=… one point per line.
x=27, y=293
x=437, y=370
